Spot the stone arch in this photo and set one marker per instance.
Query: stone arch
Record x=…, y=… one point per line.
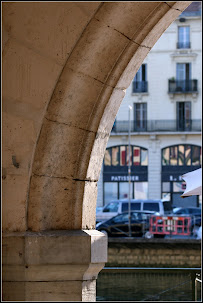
x=66, y=66
x=78, y=104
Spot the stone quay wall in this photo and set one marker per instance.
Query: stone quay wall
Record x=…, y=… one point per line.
x=184, y=253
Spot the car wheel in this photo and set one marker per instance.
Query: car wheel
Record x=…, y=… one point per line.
x=148, y=235
x=104, y=232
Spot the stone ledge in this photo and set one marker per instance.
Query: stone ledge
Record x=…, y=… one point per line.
x=53, y=255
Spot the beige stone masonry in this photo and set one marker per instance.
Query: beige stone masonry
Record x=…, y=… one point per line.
x=70, y=257
x=66, y=66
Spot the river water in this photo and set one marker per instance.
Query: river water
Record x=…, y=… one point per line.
x=145, y=287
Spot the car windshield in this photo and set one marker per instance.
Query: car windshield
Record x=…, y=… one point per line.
x=120, y=218
x=195, y=211
x=111, y=207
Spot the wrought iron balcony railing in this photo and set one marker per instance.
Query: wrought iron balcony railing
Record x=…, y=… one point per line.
x=184, y=45
x=182, y=86
x=157, y=126
x=140, y=86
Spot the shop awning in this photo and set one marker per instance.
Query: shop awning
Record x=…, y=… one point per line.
x=193, y=182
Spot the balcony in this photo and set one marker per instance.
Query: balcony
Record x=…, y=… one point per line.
x=158, y=126
x=140, y=87
x=183, y=45
x=182, y=86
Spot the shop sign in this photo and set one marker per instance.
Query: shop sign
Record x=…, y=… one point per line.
x=123, y=178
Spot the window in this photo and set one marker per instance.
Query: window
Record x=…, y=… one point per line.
x=144, y=157
x=141, y=190
x=115, y=156
x=111, y=207
x=136, y=155
x=151, y=206
x=140, y=116
x=110, y=191
x=134, y=206
x=118, y=156
x=188, y=155
x=183, y=77
x=173, y=155
x=165, y=156
x=167, y=206
x=183, y=37
x=183, y=116
x=120, y=219
x=124, y=190
x=140, y=80
x=182, y=155
x=107, y=158
x=196, y=155
x=122, y=155
x=127, y=155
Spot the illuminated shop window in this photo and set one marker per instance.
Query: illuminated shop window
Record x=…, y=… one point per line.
x=182, y=155
x=115, y=156
x=118, y=156
x=107, y=158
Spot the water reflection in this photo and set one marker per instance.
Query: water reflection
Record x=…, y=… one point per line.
x=145, y=287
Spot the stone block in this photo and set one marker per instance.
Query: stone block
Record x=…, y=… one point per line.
x=53, y=265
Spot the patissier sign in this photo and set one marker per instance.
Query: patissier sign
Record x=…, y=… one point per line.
x=124, y=178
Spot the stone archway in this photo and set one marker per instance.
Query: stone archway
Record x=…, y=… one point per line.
x=65, y=70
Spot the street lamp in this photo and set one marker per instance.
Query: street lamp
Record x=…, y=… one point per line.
x=129, y=172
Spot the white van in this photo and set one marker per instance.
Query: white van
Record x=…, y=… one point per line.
x=116, y=207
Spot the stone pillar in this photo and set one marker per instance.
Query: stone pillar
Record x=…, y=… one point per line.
x=52, y=265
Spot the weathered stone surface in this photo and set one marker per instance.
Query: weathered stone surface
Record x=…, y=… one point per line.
x=72, y=258
x=52, y=29
x=56, y=139
x=50, y=291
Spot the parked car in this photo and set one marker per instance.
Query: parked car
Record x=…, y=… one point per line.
x=118, y=226
x=193, y=212
x=116, y=207
x=98, y=209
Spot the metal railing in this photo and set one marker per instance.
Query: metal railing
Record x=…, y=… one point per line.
x=182, y=86
x=157, y=126
x=194, y=273
x=140, y=86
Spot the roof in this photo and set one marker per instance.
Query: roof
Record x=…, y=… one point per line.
x=194, y=9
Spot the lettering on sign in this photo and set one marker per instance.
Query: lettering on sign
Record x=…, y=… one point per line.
x=124, y=178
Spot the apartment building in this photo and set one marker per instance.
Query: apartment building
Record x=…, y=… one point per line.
x=160, y=120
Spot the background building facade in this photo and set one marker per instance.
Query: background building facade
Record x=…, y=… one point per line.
x=163, y=105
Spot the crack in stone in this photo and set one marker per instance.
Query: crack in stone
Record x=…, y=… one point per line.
x=125, y=37
x=176, y=9
x=86, y=75
x=54, y=177
x=71, y=125
x=132, y=40
x=101, y=135
x=85, y=180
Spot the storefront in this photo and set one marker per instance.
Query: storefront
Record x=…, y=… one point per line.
x=176, y=161
x=115, y=173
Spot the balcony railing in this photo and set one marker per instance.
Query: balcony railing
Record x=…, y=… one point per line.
x=140, y=86
x=157, y=126
x=184, y=45
x=182, y=86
